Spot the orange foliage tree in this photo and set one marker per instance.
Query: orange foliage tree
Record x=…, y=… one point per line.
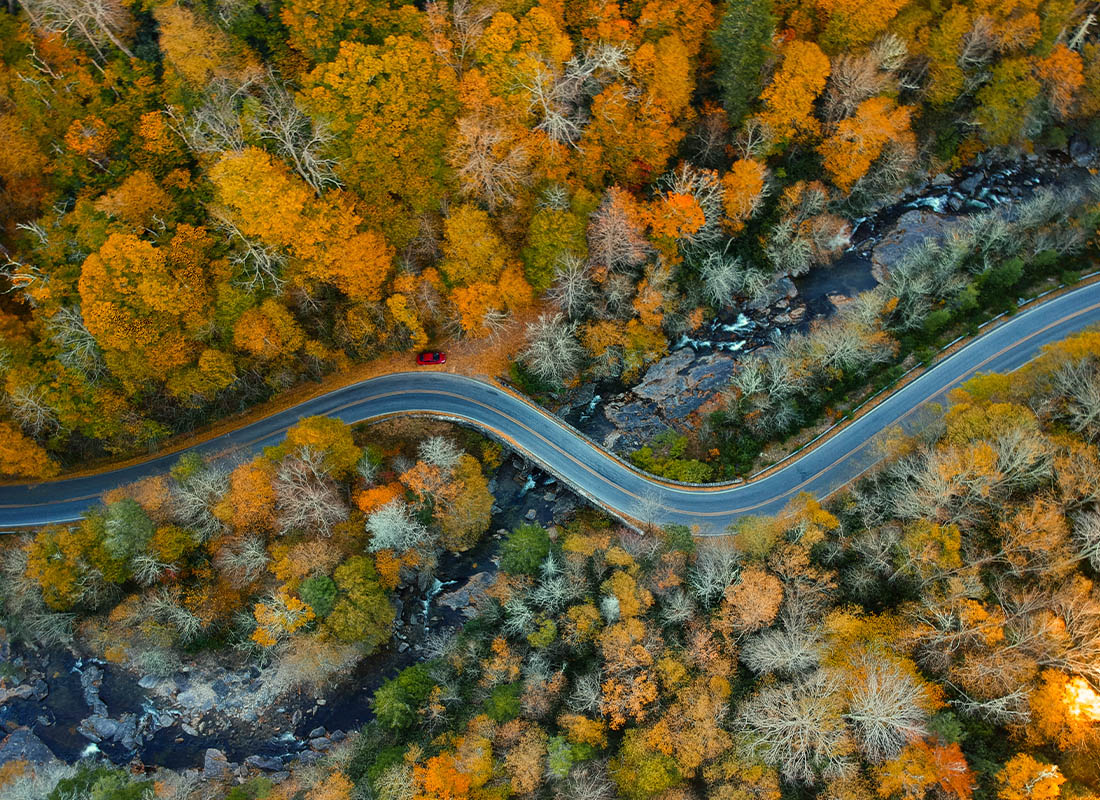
x=744, y=189
x=857, y=141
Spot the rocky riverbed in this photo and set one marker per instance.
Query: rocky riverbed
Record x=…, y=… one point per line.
x=689, y=380
x=225, y=719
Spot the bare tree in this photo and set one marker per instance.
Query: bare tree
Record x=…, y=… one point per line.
x=1010, y=709
x=553, y=352
x=559, y=99
x=366, y=469
x=978, y=48
x=709, y=138
x=852, y=80
x=243, y=560
x=1079, y=383
x=1086, y=536
x=214, y=126
x=97, y=22
x=147, y=568
x=298, y=138
x=194, y=500
x=165, y=605
x=455, y=32
x=586, y=692
x=716, y=565
x=890, y=51
x=305, y=497
x=572, y=290
x=615, y=239
x=787, y=248
x=722, y=278
x=490, y=163
x=887, y=706
x=393, y=527
x=519, y=619
x=589, y=781
x=259, y=266
x=32, y=412
x=676, y=608
x=77, y=348
x=441, y=452
x=799, y=728
x=784, y=651
x=753, y=140
x=925, y=275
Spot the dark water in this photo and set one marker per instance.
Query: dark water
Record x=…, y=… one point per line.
x=55, y=718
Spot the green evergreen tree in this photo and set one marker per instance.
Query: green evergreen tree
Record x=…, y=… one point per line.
x=743, y=42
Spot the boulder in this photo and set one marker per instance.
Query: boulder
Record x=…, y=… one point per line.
x=197, y=698
x=99, y=728
x=215, y=765
x=90, y=679
x=912, y=229
x=637, y=419
x=469, y=596
x=22, y=745
x=971, y=182
x=663, y=378
x=307, y=757
x=682, y=381
x=1080, y=150
x=21, y=692
x=128, y=734
x=267, y=764
x=320, y=744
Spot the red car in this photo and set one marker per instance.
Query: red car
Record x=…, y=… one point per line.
x=431, y=357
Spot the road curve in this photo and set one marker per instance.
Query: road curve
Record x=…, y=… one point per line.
x=581, y=464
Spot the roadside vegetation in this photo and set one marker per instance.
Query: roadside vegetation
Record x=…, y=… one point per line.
x=933, y=295
x=292, y=558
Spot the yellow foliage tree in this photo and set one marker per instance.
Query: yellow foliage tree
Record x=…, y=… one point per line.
x=472, y=250
x=744, y=186
x=198, y=50
x=1025, y=778
x=21, y=457
x=268, y=331
x=789, y=98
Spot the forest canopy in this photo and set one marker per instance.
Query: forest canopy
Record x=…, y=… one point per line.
x=204, y=203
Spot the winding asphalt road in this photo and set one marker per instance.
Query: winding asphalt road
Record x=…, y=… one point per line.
x=584, y=466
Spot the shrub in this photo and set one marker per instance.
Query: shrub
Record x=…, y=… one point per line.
x=320, y=593
x=524, y=550
x=397, y=701
x=503, y=703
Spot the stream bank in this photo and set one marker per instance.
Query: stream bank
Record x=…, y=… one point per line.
x=677, y=390
x=54, y=704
